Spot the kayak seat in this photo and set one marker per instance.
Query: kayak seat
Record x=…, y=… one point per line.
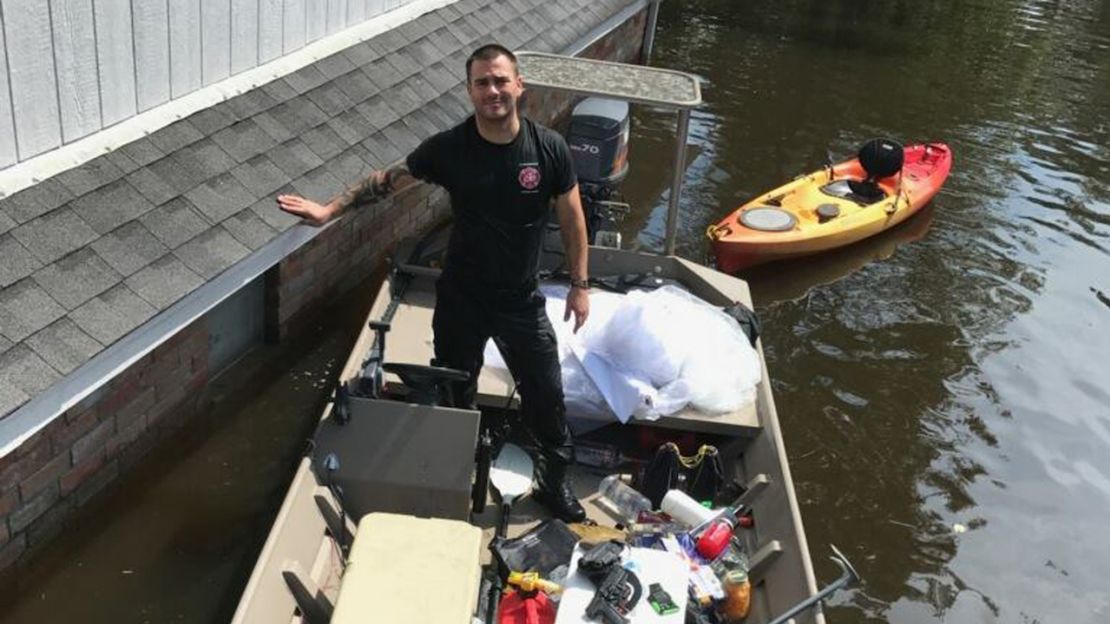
x=408, y=569
x=880, y=158
x=862, y=192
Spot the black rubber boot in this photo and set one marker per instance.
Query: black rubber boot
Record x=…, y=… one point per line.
x=553, y=491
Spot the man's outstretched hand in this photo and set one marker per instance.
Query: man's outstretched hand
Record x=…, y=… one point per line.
x=314, y=213
x=578, y=304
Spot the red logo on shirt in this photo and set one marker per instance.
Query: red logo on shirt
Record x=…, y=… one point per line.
x=529, y=178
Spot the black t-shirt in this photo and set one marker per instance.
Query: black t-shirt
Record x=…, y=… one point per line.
x=500, y=195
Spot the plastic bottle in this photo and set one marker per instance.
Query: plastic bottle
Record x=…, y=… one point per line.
x=678, y=505
x=715, y=539
x=623, y=499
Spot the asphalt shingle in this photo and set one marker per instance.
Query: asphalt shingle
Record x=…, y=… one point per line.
x=220, y=197
x=381, y=73
x=23, y=369
x=175, y=178
x=360, y=54
x=243, y=140
x=349, y=167
x=378, y=112
x=279, y=90
x=211, y=252
x=271, y=126
x=351, y=127
x=142, y=151
x=54, y=235
x=382, y=151
x=294, y=158
x=63, y=345
x=298, y=115
x=17, y=262
x=6, y=222
x=173, y=223
x=306, y=79
x=25, y=308
x=253, y=102
x=335, y=65
x=76, y=278
x=113, y=314
x=324, y=142
x=130, y=247
x=330, y=99
x=403, y=63
x=153, y=187
x=318, y=185
x=175, y=136
x=260, y=176
x=268, y=211
x=212, y=119
x=111, y=206
x=89, y=176
x=357, y=86
x=122, y=161
x=36, y=200
x=401, y=136
x=248, y=228
x=164, y=281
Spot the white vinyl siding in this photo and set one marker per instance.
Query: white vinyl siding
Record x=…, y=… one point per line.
x=70, y=68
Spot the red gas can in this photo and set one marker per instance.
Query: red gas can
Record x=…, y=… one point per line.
x=520, y=607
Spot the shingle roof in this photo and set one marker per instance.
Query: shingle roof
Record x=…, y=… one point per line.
x=94, y=252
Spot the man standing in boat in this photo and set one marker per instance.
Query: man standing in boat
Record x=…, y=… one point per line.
x=502, y=172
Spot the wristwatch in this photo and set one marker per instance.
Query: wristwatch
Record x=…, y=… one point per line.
x=584, y=284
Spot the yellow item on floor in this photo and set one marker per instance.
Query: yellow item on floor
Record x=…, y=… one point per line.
x=392, y=560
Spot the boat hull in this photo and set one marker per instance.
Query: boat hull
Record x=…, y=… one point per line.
x=750, y=442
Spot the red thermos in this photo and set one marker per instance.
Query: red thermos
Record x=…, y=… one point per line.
x=714, y=539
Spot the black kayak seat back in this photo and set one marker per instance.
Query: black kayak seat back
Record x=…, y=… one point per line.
x=880, y=158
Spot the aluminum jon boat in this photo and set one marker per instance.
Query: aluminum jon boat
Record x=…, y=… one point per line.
x=392, y=478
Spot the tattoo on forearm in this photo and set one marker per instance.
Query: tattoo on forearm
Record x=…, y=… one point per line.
x=373, y=187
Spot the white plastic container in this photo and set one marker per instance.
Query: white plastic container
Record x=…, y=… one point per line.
x=678, y=505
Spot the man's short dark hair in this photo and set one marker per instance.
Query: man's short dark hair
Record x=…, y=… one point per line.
x=489, y=52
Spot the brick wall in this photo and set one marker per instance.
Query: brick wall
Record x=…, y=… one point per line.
x=61, y=468
x=344, y=254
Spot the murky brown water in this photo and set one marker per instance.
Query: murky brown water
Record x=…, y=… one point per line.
x=950, y=373
x=955, y=371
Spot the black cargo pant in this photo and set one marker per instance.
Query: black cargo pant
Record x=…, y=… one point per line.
x=467, y=317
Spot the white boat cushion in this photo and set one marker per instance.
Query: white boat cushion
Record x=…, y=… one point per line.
x=404, y=569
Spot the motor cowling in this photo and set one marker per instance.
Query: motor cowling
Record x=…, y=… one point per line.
x=598, y=139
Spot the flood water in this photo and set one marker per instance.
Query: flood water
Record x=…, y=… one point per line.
x=945, y=388
x=942, y=387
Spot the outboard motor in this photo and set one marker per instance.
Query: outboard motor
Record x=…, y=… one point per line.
x=598, y=140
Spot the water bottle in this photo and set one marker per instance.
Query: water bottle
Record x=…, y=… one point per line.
x=625, y=501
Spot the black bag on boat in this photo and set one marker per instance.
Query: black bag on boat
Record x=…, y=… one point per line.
x=700, y=476
x=543, y=549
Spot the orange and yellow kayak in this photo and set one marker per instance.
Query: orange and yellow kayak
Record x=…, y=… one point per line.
x=826, y=209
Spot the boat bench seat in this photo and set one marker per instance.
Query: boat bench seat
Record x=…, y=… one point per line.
x=407, y=569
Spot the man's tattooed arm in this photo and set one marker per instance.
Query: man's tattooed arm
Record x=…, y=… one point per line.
x=375, y=186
